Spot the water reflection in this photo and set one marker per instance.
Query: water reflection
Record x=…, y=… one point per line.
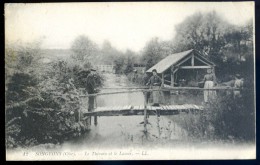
x=121, y=99
x=127, y=131
x=122, y=131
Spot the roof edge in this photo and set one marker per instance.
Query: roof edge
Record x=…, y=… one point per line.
x=191, y=50
x=204, y=57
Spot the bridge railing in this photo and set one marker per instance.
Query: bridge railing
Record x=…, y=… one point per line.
x=146, y=90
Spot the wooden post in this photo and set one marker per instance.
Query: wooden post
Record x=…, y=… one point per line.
x=79, y=110
x=172, y=77
x=145, y=116
x=95, y=116
x=95, y=120
x=162, y=79
x=213, y=70
x=192, y=59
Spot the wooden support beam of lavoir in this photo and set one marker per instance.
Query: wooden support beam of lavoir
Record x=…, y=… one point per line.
x=192, y=59
x=162, y=79
x=194, y=67
x=172, y=76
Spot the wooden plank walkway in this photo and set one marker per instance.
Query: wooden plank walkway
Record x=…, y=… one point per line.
x=129, y=110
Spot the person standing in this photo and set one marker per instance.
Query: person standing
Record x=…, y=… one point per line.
x=209, y=82
x=135, y=75
x=91, y=89
x=239, y=85
x=155, y=83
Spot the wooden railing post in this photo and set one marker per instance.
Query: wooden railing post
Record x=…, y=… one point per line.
x=95, y=116
x=145, y=115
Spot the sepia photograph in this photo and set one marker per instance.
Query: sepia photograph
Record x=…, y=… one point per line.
x=130, y=81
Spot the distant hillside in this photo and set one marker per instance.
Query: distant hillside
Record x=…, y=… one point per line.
x=56, y=53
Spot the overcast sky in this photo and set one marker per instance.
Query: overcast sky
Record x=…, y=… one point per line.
x=125, y=25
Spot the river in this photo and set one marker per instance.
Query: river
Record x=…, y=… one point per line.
x=122, y=131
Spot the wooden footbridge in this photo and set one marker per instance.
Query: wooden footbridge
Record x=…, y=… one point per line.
x=129, y=110
x=146, y=110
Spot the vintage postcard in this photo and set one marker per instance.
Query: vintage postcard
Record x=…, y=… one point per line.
x=130, y=81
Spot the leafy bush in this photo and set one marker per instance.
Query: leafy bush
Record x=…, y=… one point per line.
x=234, y=117
x=140, y=79
x=43, y=105
x=226, y=118
x=38, y=115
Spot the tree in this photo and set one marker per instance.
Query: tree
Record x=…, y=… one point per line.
x=203, y=32
x=129, y=60
x=108, y=53
x=154, y=51
x=84, y=49
x=225, y=44
x=41, y=109
x=119, y=64
x=21, y=90
x=239, y=42
x=238, y=50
